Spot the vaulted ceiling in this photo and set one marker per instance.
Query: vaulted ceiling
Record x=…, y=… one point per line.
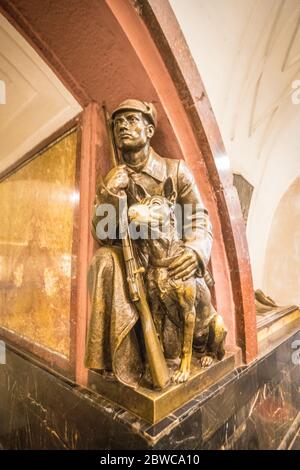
x=248, y=54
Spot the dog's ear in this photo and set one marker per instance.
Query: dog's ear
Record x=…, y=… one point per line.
x=140, y=192
x=169, y=190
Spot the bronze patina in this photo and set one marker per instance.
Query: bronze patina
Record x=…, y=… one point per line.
x=152, y=317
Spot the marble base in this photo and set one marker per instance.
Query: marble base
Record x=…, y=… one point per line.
x=273, y=323
x=252, y=407
x=154, y=405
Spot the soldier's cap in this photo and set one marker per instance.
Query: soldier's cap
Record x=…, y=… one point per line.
x=148, y=109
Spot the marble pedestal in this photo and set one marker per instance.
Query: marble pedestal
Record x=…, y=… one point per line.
x=251, y=407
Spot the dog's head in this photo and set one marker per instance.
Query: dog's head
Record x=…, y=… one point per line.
x=154, y=211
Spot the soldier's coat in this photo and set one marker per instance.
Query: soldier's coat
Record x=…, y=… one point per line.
x=112, y=342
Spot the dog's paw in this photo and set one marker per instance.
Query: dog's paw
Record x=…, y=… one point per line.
x=206, y=361
x=180, y=377
x=183, y=373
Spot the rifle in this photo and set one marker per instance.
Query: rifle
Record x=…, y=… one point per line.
x=157, y=363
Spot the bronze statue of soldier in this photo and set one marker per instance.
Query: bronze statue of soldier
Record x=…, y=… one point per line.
x=144, y=179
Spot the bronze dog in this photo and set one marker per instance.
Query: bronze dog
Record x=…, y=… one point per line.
x=184, y=302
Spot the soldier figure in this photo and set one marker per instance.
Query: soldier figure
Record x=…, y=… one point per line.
x=114, y=343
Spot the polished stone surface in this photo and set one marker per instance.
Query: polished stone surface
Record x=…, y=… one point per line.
x=154, y=405
x=253, y=407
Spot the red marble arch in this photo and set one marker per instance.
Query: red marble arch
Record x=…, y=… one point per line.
x=112, y=50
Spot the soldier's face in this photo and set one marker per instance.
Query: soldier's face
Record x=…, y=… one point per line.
x=132, y=131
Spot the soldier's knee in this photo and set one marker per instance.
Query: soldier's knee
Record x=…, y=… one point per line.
x=104, y=261
x=106, y=256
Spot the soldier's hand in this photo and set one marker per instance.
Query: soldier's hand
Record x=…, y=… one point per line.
x=117, y=179
x=184, y=266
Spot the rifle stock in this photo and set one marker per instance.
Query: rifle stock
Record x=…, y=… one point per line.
x=157, y=363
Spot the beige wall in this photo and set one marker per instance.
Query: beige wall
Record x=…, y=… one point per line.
x=281, y=277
